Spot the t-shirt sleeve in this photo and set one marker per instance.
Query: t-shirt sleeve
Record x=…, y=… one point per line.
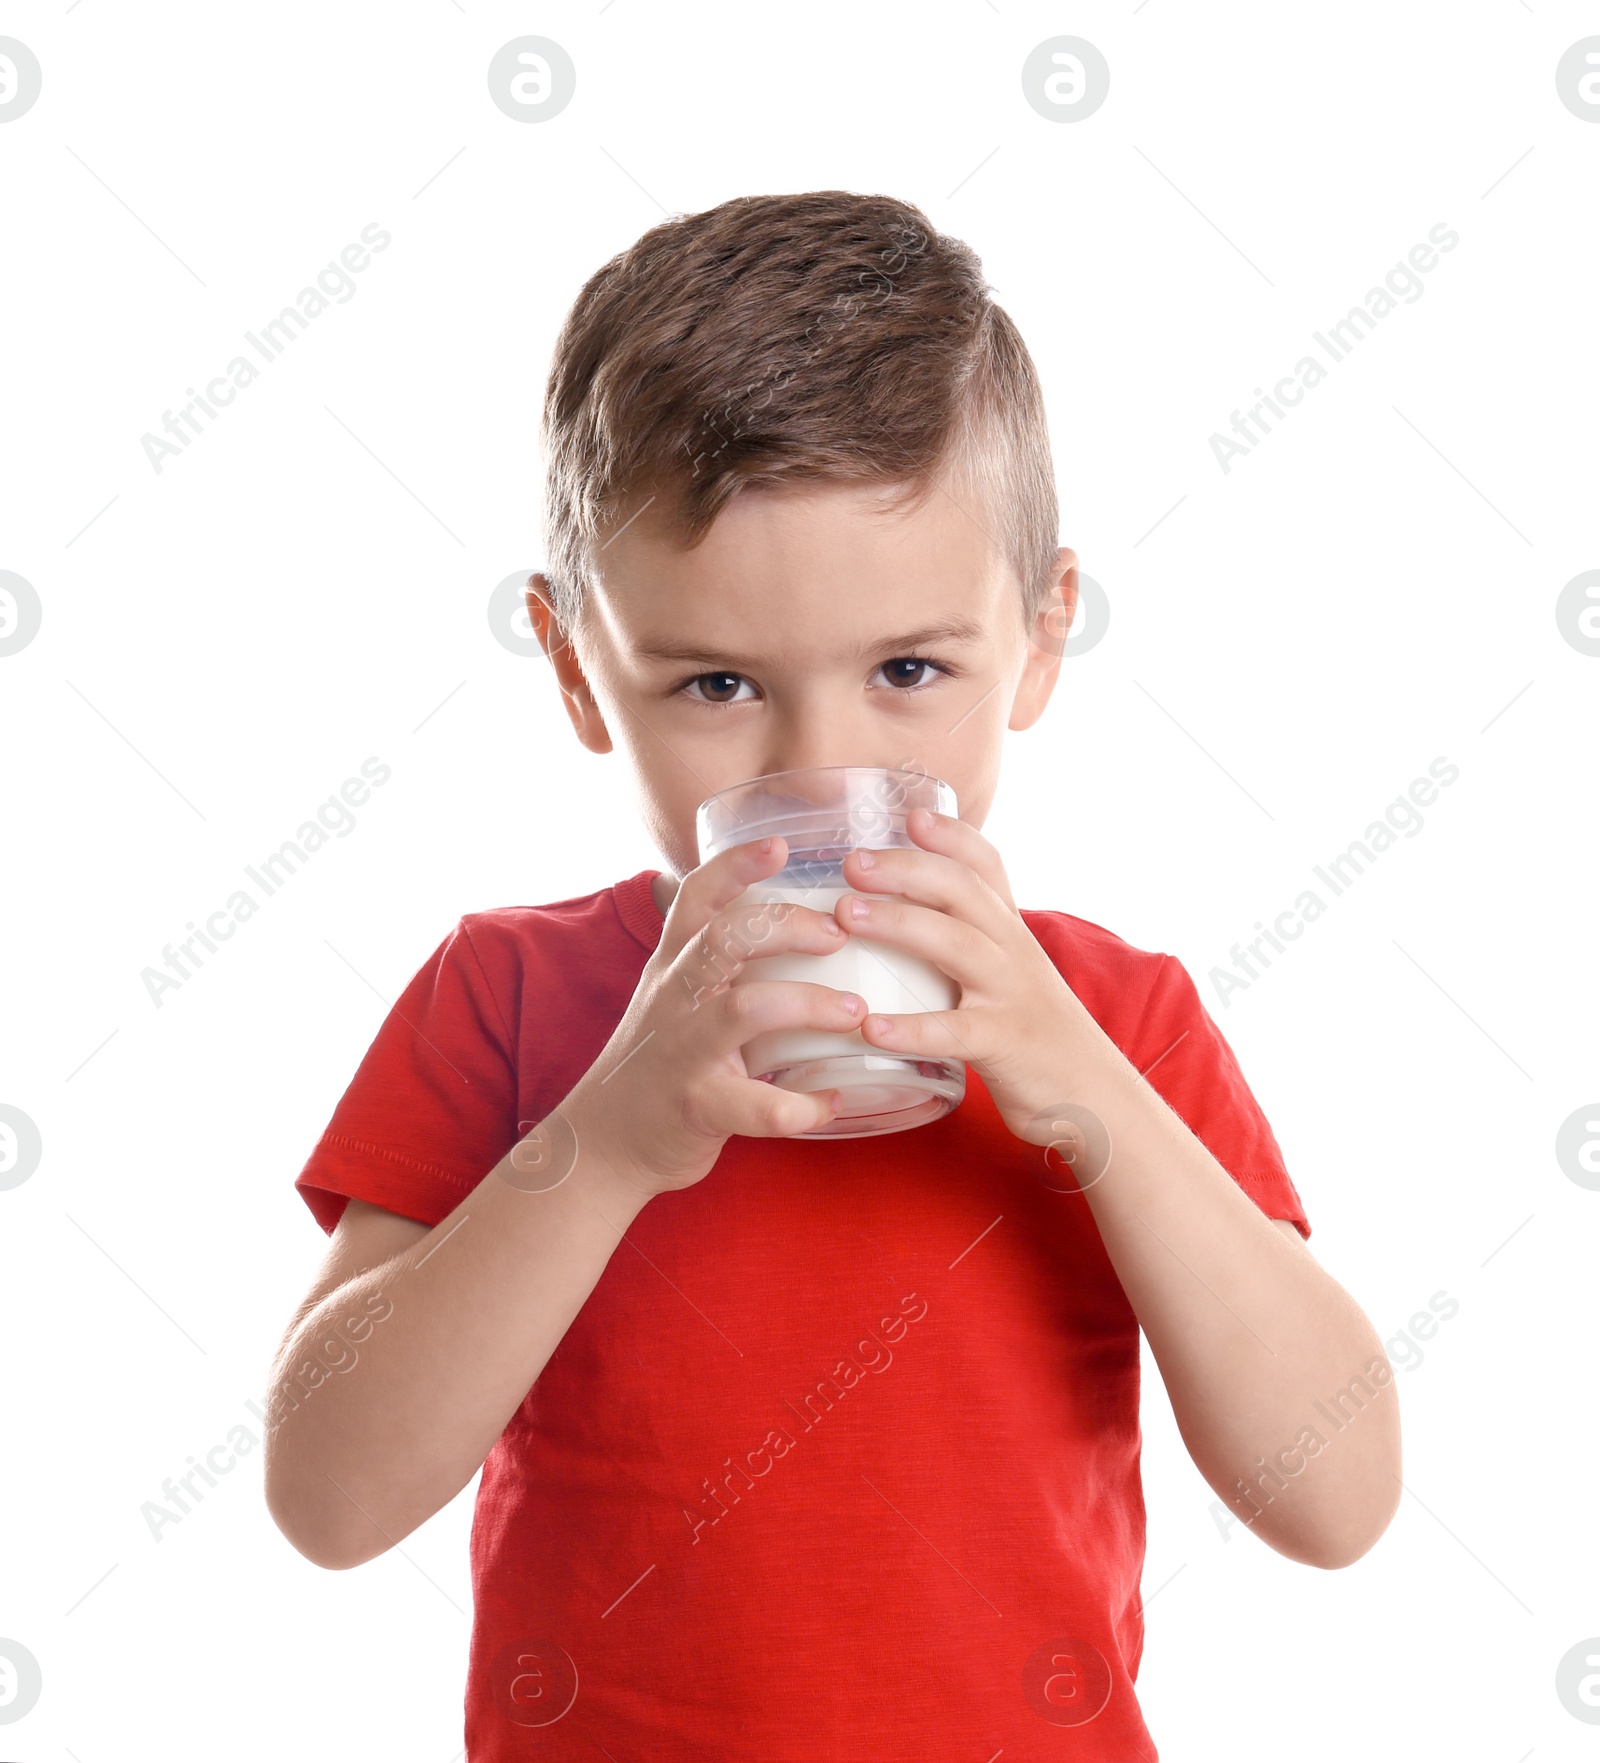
x=432, y=1106
x=1184, y=1057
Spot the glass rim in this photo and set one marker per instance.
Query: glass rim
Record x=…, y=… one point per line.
x=723, y=804
x=768, y=777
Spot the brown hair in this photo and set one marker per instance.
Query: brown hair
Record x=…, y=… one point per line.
x=825, y=336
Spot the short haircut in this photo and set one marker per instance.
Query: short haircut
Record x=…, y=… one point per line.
x=787, y=341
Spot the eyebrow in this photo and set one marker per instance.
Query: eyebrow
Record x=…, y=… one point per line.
x=949, y=630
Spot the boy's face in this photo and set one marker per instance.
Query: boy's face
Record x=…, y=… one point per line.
x=789, y=626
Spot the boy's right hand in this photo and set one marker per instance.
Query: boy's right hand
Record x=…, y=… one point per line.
x=670, y=1085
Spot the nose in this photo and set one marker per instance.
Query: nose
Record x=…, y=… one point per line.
x=825, y=767
x=805, y=782
x=830, y=781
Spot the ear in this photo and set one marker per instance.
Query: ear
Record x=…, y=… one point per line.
x=1046, y=644
x=562, y=655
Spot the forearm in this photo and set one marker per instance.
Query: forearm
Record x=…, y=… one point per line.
x=468, y=1317
x=1250, y=1334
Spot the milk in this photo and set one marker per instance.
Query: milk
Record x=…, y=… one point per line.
x=892, y=981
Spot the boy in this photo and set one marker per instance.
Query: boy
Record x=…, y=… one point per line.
x=797, y=1447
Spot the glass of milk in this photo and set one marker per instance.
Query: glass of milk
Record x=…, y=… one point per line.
x=824, y=813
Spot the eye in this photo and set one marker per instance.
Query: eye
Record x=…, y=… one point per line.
x=719, y=690
x=916, y=662
x=719, y=682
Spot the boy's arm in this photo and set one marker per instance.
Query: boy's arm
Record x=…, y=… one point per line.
x=415, y=1347
x=1255, y=1342
x=365, y=1237
x=1261, y=1352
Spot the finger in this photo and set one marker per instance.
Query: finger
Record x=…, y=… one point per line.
x=937, y=879
x=758, y=1110
x=929, y=1034
x=749, y=931
x=944, y=836
x=970, y=957
x=715, y=884
x=950, y=836
x=759, y=1006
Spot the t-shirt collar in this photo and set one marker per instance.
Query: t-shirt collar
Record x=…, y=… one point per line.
x=637, y=908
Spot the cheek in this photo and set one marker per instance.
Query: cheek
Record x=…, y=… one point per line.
x=668, y=808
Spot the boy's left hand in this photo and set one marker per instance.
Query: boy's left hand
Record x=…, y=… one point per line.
x=1017, y=1021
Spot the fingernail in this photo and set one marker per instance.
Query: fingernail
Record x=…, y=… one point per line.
x=864, y=856
x=857, y=908
x=766, y=847
x=852, y=1005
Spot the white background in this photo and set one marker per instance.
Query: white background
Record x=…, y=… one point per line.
x=1291, y=643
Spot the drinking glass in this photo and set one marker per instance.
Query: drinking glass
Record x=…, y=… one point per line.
x=825, y=812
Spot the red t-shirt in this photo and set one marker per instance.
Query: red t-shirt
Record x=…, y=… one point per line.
x=840, y=1459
